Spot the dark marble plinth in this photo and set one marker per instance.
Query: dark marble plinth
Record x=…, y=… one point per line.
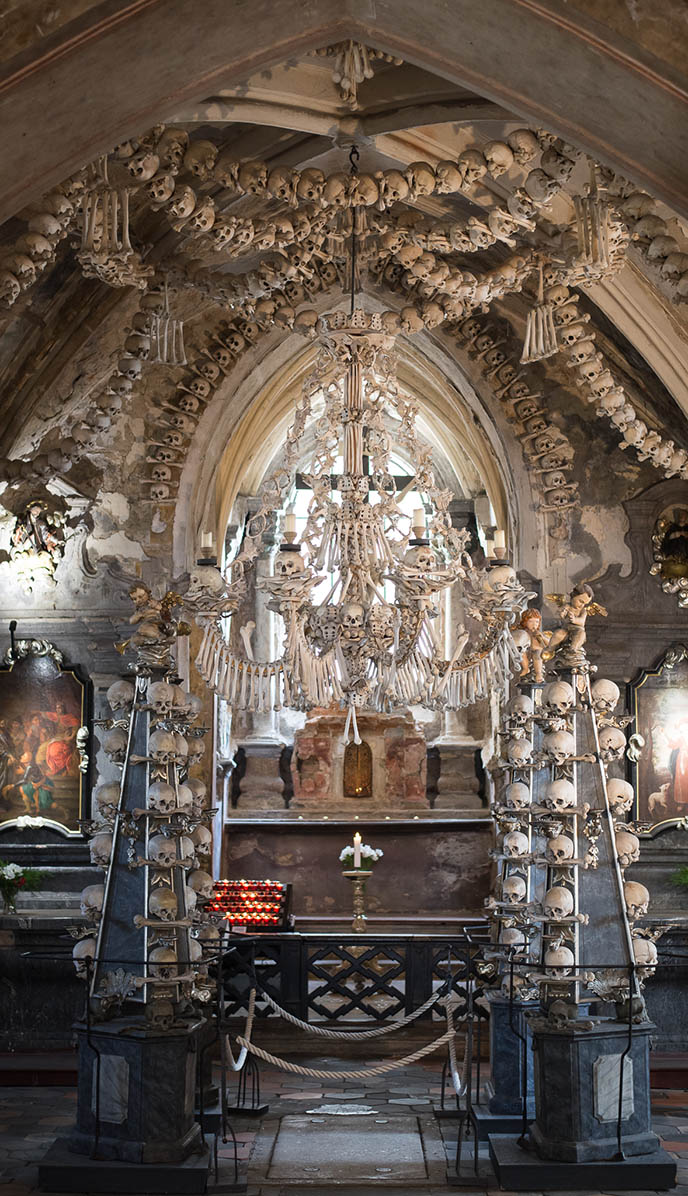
x=577, y=1091
x=497, y=1123
x=518, y=1170
x=63, y=1171
x=512, y=1071
x=145, y=1101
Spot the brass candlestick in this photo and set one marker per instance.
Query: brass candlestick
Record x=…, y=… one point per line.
x=359, y=878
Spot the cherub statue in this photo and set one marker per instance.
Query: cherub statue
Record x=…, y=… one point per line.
x=155, y=625
x=532, y=666
x=574, y=608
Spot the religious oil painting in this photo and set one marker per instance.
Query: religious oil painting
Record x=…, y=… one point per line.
x=659, y=701
x=44, y=719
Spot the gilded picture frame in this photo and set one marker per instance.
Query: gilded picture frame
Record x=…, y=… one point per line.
x=658, y=701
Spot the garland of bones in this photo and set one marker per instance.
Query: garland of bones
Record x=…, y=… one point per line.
x=307, y=239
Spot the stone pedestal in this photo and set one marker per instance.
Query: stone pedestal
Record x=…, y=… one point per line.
x=577, y=1073
x=261, y=787
x=511, y=1072
x=457, y=784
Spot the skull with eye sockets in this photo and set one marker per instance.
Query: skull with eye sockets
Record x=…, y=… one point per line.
x=637, y=899
x=558, y=903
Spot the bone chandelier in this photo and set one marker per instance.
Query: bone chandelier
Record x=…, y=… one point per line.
x=371, y=641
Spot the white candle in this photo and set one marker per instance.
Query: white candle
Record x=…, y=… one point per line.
x=206, y=539
x=357, y=850
x=290, y=520
x=418, y=517
x=499, y=538
x=489, y=549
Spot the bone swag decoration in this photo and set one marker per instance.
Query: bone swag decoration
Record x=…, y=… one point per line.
x=357, y=646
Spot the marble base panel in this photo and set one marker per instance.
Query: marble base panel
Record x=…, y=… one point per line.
x=136, y=1091
x=63, y=1171
x=577, y=1073
x=511, y=1071
x=496, y=1123
x=518, y=1170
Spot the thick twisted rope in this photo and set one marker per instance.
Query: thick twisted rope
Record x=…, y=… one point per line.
x=462, y=1081
x=237, y=1064
x=362, y=1074
x=351, y=1035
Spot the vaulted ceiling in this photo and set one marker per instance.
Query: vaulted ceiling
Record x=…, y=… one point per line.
x=232, y=143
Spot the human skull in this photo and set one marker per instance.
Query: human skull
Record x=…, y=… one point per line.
x=517, y=796
x=45, y=225
x=627, y=848
x=162, y=851
x=253, y=177
x=120, y=695
x=501, y=578
x=100, y=849
x=511, y=937
x=38, y=248
x=514, y=890
x=92, y=898
x=10, y=287
x=560, y=795
x=393, y=187
x=311, y=184
x=645, y=955
x=520, y=709
x=605, y=696
x=519, y=752
x=83, y=952
x=472, y=166
x=540, y=187
x=288, y=563
x=559, y=849
x=447, y=178
x=130, y=367
x=621, y=795
x=201, y=883
x=163, y=904
x=202, y=218
x=163, y=963
x=559, y=961
x=637, y=899
x=583, y=350
x=143, y=165
x=515, y=844
x=559, y=746
x=556, y=165
x=558, y=903
x=107, y=797
x=183, y=202
x=202, y=840
x=186, y=850
x=421, y=179
x=558, y=697
x=200, y=159
x=161, y=697
x=162, y=747
x=181, y=748
x=612, y=743
x=499, y=158
x=184, y=799
x=352, y=620
x=160, y=189
x=161, y=797
x=524, y=145
x=196, y=750
x=115, y=744
x=198, y=790
x=172, y=146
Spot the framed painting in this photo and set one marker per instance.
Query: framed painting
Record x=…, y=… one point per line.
x=658, y=699
x=45, y=726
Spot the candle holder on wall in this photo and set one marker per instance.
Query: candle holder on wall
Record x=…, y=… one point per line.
x=358, y=877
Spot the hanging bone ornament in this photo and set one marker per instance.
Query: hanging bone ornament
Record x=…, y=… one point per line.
x=637, y=899
x=558, y=903
x=621, y=796
x=627, y=848
x=517, y=796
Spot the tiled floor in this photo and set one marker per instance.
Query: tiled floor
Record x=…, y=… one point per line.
x=30, y=1118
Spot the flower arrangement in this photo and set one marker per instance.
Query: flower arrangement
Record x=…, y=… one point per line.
x=369, y=856
x=15, y=879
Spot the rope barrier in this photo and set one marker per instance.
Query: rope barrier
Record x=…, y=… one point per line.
x=362, y=1074
x=238, y=1064
x=352, y=1035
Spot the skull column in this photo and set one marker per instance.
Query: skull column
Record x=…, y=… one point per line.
x=137, y=1057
